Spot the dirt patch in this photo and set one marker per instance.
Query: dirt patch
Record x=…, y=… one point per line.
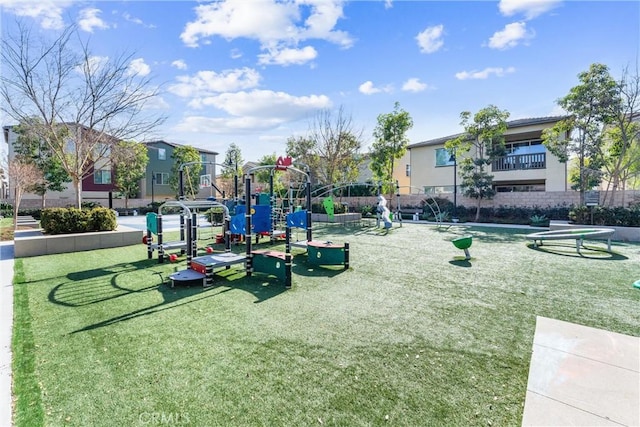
x=6, y=233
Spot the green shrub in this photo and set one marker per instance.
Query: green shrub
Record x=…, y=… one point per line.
x=73, y=220
x=103, y=219
x=606, y=216
x=215, y=215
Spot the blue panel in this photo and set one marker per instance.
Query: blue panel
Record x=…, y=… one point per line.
x=261, y=219
x=297, y=219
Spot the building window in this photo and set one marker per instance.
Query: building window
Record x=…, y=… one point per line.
x=102, y=176
x=162, y=154
x=161, y=178
x=407, y=170
x=532, y=146
x=519, y=188
x=444, y=157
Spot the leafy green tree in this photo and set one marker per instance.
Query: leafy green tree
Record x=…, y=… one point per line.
x=233, y=161
x=191, y=173
x=390, y=144
x=303, y=150
x=32, y=149
x=263, y=175
x=130, y=159
x=481, y=143
x=591, y=106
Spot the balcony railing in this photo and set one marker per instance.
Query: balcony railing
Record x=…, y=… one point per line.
x=520, y=162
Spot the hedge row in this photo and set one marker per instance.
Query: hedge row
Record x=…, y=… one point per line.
x=73, y=220
x=596, y=215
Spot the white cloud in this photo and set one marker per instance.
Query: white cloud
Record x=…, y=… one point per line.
x=484, y=74
x=430, y=40
x=205, y=83
x=138, y=67
x=89, y=20
x=235, y=53
x=94, y=64
x=530, y=8
x=47, y=12
x=137, y=21
x=368, y=89
x=179, y=64
x=225, y=125
x=414, y=85
x=253, y=110
x=276, y=25
x=267, y=103
x=510, y=36
x=288, y=56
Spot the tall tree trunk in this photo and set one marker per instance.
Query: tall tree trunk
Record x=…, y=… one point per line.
x=478, y=209
x=77, y=185
x=16, y=206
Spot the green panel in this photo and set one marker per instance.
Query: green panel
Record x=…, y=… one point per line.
x=263, y=199
x=269, y=265
x=152, y=222
x=326, y=256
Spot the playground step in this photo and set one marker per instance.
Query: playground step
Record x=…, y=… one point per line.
x=186, y=276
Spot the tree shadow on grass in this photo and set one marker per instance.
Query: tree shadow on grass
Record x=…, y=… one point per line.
x=569, y=250
x=102, y=285
x=182, y=295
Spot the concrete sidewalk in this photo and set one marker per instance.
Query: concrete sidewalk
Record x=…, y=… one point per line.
x=582, y=376
x=6, y=327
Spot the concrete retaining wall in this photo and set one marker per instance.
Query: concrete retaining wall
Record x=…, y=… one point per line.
x=33, y=242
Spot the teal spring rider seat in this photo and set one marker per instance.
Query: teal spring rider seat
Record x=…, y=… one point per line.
x=463, y=243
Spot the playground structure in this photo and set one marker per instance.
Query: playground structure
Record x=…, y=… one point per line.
x=394, y=215
x=577, y=234
x=464, y=243
x=384, y=214
x=188, y=228
x=270, y=262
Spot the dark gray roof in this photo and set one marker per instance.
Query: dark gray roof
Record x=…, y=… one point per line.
x=173, y=144
x=510, y=125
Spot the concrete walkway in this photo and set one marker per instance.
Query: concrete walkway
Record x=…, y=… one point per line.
x=582, y=376
x=6, y=325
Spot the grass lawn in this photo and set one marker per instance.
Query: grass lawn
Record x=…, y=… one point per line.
x=410, y=335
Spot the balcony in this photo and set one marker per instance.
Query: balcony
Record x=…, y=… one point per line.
x=520, y=162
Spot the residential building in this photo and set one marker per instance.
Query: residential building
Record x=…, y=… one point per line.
x=97, y=184
x=527, y=167
x=155, y=186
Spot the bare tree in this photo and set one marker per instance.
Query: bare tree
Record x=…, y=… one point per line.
x=331, y=147
x=85, y=104
x=22, y=176
x=621, y=148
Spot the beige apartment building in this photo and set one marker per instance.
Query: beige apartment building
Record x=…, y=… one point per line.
x=527, y=168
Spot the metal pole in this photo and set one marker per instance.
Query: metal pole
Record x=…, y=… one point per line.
x=455, y=183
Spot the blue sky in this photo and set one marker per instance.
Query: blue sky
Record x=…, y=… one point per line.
x=256, y=72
